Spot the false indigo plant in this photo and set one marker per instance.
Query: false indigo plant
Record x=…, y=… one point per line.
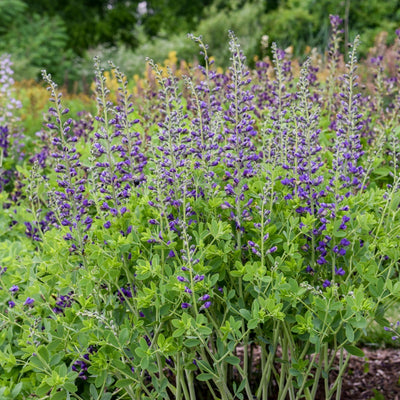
x=11, y=137
x=116, y=147
x=160, y=255
x=72, y=205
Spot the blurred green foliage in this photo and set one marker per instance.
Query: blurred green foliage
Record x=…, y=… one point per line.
x=62, y=36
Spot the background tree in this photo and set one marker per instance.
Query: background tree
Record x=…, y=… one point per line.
x=62, y=36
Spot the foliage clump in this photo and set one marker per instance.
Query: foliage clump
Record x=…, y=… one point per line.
x=149, y=250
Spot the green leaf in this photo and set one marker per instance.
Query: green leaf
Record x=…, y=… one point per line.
x=191, y=342
x=17, y=388
x=70, y=387
x=204, y=377
x=61, y=395
x=252, y=323
x=178, y=332
x=204, y=330
x=93, y=391
x=124, y=336
x=144, y=363
x=54, y=360
x=381, y=320
x=42, y=390
x=232, y=360
x=160, y=340
x=294, y=372
x=100, y=379
x=353, y=350
x=177, y=323
x=245, y=314
x=36, y=362
x=349, y=333
x=124, y=383
x=43, y=352
x=381, y=171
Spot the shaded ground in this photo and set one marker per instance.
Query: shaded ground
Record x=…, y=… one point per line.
x=374, y=377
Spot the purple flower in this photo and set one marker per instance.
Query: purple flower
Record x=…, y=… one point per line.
x=272, y=249
x=204, y=298
x=80, y=366
x=339, y=271
x=29, y=301
x=124, y=292
x=198, y=278
x=11, y=304
x=207, y=304
x=14, y=289
x=107, y=225
x=62, y=303
x=181, y=278
x=335, y=21
x=171, y=254
x=186, y=305
x=344, y=242
x=321, y=261
x=326, y=283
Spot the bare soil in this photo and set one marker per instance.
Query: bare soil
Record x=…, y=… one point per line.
x=376, y=376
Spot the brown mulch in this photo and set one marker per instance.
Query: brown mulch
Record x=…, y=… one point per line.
x=376, y=376
x=373, y=377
